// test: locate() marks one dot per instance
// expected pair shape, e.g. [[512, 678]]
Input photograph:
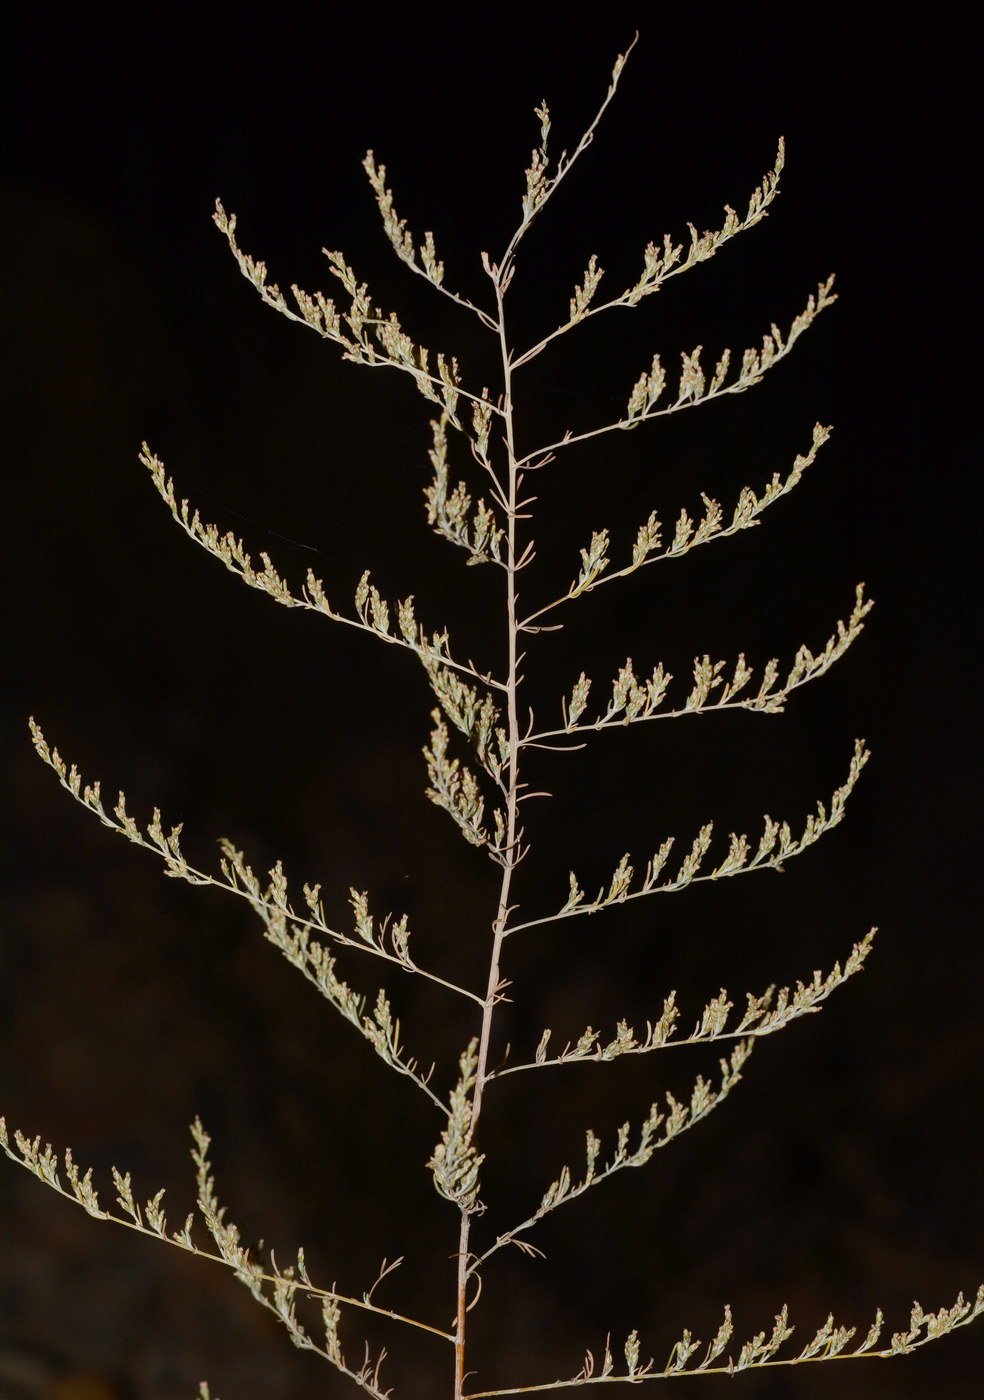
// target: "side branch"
[[318, 966], [455, 1162], [390, 942], [634, 700], [150, 1220], [449, 512], [539, 185], [595, 560], [776, 846], [366, 335], [665, 260], [678, 1119], [828, 1344], [373, 611], [694, 387], [764, 1014], [423, 261], [454, 787], [476, 716]]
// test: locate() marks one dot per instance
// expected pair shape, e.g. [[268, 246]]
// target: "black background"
[[845, 1170]]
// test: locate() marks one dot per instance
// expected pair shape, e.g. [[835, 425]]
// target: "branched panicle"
[[453, 786], [476, 715], [455, 1162], [487, 714], [450, 513]]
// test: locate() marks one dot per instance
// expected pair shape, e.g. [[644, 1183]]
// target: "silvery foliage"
[[482, 796]]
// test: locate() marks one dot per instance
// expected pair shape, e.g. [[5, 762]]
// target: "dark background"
[[845, 1171]]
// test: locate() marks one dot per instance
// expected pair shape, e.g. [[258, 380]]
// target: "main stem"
[[513, 852]]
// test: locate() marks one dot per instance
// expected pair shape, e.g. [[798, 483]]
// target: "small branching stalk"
[[481, 727]]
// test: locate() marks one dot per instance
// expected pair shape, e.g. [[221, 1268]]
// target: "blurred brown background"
[[845, 1171]]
